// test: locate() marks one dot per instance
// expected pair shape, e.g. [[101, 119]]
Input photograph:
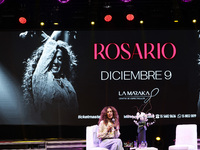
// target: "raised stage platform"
[[51, 144]]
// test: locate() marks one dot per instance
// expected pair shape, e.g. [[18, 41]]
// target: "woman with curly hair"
[[47, 81], [108, 131]]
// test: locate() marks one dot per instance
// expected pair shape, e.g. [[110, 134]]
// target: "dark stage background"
[[171, 88]]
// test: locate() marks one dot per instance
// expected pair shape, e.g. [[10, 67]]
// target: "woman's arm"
[[56, 34], [102, 130], [48, 53], [60, 35], [117, 132]]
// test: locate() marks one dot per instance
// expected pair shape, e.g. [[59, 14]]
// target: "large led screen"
[[68, 77]]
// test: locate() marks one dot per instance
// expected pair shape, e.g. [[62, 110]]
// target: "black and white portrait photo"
[[47, 81]]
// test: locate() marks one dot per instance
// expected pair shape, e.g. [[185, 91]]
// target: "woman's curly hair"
[[104, 117], [69, 62]]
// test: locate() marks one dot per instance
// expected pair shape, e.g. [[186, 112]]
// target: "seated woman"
[[108, 131]]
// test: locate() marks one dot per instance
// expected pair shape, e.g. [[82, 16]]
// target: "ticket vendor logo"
[[138, 95]]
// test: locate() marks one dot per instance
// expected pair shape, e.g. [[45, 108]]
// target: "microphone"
[[113, 120]]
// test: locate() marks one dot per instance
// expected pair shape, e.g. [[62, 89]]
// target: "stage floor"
[[47, 144]]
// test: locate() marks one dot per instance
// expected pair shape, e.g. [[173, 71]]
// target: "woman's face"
[[109, 113], [57, 62]]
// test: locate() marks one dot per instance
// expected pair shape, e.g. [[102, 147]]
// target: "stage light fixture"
[[158, 138], [63, 1], [22, 20], [141, 21], [176, 21], [92, 23], [1, 1], [108, 18], [126, 1], [186, 1], [56, 23], [130, 17], [194, 21], [42, 23]]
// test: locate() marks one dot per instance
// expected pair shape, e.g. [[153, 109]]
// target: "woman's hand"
[[110, 127]]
